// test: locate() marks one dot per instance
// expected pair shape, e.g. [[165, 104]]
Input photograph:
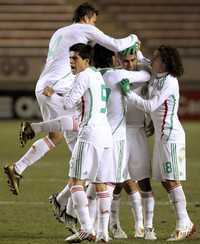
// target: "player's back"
[[57, 67]]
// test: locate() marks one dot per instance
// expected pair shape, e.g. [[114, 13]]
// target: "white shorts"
[[169, 161], [120, 162], [139, 164], [91, 163], [53, 107]]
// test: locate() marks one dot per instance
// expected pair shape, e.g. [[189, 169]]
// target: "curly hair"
[[171, 58]]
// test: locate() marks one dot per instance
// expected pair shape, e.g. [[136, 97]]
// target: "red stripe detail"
[[49, 143], [75, 189], [82, 108], [164, 118], [103, 195]]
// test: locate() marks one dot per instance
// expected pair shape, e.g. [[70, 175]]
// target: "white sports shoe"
[[149, 234], [80, 236], [139, 232], [179, 235], [103, 237], [117, 232]]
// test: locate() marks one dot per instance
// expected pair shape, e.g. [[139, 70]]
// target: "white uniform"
[[92, 155], [169, 149], [139, 166], [57, 71], [116, 115]]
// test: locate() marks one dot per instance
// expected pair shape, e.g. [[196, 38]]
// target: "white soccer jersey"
[[57, 68], [90, 89], [116, 103], [163, 107]]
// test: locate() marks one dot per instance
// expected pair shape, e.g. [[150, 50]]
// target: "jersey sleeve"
[[153, 103], [80, 86], [116, 45], [137, 76]]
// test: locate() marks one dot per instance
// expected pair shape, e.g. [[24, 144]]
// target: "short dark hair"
[[85, 51], [102, 57], [83, 10], [172, 60]]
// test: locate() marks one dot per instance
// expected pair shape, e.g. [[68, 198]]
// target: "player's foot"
[[179, 235], [149, 234], [13, 178], [103, 237], [80, 236], [70, 223], [58, 212], [117, 232], [26, 133], [139, 232]]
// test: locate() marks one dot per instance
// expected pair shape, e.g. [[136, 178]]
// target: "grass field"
[[27, 218]]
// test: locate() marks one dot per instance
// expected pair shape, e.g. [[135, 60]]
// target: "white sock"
[[70, 208], [114, 215], [103, 199], [80, 203], [148, 204], [60, 124], [136, 203], [178, 200], [92, 203], [63, 196], [37, 151]]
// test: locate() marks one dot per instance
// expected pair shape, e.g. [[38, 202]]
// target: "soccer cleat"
[[58, 213], [80, 236], [149, 234], [13, 178], [139, 232], [103, 237], [26, 133], [117, 232], [70, 223], [179, 235]]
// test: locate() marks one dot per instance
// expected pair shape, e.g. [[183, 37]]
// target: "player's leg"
[[172, 166], [83, 160], [50, 108], [132, 189], [115, 226], [139, 169], [119, 158], [148, 204], [60, 124]]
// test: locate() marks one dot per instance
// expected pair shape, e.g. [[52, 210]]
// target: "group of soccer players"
[[106, 100]]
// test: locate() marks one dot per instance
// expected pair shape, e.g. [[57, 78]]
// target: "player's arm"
[[80, 86], [116, 45], [149, 105], [140, 76]]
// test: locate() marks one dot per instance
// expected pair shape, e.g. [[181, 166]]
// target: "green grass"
[[27, 218]]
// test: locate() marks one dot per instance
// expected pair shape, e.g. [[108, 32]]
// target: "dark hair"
[[171, 58], [84, 50], [102, 56], [83, 10]]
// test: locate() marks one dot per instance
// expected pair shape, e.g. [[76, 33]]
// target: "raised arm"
[[116, 45]]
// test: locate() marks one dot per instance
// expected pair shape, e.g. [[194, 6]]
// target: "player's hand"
[[149, 128], [125, 86], [48, 91]]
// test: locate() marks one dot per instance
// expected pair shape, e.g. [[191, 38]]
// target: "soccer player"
[[105, 59], [169, 165], [58, 75], [138, 163]]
